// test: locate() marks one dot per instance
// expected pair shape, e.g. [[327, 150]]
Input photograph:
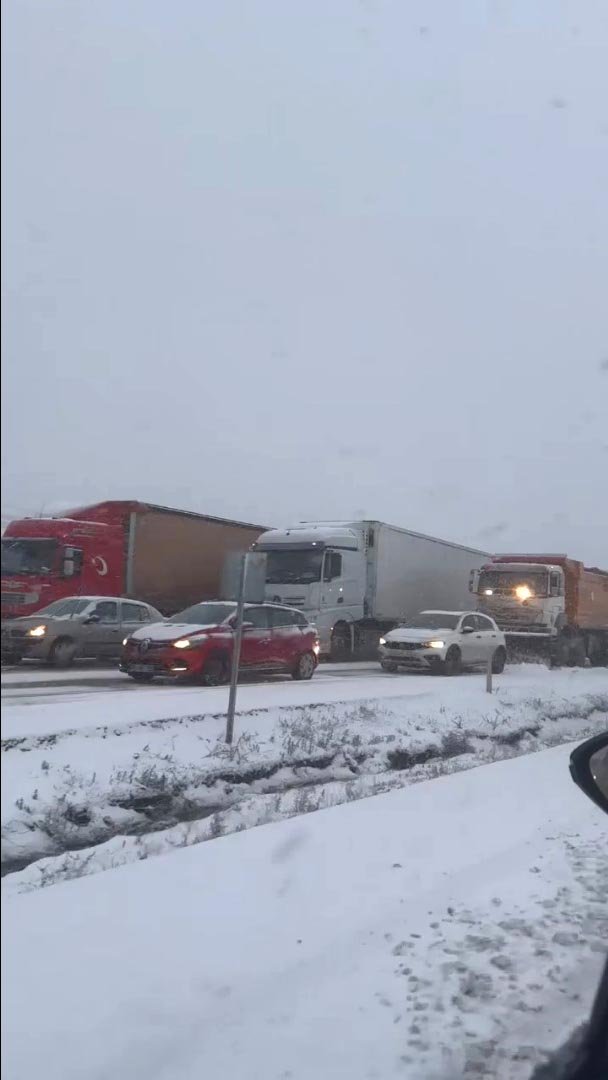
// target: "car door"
[[102, 634], [469, 640], [133, 617], [487, 636], [257, 639], [286, 637]]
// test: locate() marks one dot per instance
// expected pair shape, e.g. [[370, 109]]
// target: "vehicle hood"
[[171, 631], [402, 634], [27, 621]]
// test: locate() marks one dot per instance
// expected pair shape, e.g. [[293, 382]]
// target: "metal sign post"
[[250, 589], [236, 652], [489, 677]]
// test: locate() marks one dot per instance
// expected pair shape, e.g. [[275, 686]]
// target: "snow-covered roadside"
[[176, 781], [450, 929]]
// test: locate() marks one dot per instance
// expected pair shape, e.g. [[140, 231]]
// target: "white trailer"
[[357, 579]]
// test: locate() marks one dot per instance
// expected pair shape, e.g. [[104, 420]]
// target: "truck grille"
[[14, 598], [12, 633]]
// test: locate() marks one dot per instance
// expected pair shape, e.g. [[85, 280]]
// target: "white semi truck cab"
[[322, 570], [358, 579]]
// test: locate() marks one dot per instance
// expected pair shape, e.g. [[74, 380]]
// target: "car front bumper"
[[166, 663], [15, 642], [422, 659]]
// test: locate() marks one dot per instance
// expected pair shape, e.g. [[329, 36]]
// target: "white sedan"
[[444, 642]]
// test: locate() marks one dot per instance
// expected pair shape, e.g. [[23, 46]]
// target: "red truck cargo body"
[[169, 558]]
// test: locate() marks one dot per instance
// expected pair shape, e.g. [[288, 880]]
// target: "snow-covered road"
[[70, 708], [449, 928]]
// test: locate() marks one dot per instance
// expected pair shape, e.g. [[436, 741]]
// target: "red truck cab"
[[46, 559]]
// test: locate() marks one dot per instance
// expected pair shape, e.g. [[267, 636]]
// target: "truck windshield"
[[27, 556], [204, 614], [73, 606], [293, 567], [505, 582]]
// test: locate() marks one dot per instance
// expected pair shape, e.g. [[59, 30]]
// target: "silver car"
[[78, 626]]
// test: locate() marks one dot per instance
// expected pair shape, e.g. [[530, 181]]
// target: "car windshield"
[[507, 582], [433, 620], [293, 567], [73, 606], [204, 614], [27, 556]]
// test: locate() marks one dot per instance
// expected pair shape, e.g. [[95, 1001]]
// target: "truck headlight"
[[435, 644], [523, 592], [37, 631]]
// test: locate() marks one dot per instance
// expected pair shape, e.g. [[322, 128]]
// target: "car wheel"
[[452, 665], [305, 667], [140, 676], [387, 665], [215, 670], [499, 660], [62, 653]]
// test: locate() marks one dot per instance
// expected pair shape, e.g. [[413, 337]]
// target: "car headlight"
[[124, 640], [435, 644], [382, 641], [316, 647], [189, 643], [37, 631]]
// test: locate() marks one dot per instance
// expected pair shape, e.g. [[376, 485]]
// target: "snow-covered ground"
[[138, 784], [452, 928]]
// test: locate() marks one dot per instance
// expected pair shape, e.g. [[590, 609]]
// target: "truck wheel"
[[341, 644], [452, 665], [387, 665], [305, 667], [62, 653], [215, 671], [498, 661]]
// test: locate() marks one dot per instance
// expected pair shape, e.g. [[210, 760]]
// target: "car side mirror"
[[467, 630], [589, 769], [91, 619]]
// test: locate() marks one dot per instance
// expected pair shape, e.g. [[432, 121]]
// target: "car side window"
[[469, 623], [279, 617], [106, 611], [300, 620], [259, 616], [134, 613], [483, 623]]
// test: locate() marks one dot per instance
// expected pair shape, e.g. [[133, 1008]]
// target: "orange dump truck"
[[547, 604]]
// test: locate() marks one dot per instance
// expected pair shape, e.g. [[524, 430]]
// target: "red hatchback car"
[[197, 644]]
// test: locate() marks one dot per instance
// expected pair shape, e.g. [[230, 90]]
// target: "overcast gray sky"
[[280, 260]]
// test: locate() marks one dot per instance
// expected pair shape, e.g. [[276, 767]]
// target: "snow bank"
[[450, 929]]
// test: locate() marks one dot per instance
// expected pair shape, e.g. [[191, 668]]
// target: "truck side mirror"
[[473, 580], [91, 619], [72, 562]]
